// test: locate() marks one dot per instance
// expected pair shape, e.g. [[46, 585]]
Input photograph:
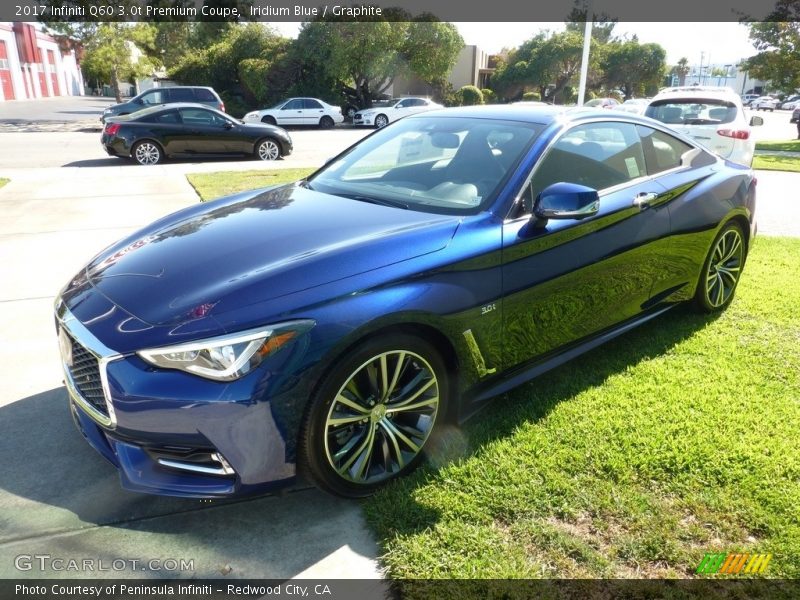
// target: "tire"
[[381, 121], [721, 270], [356, 437], [268, 149], [147, 152], [325, 122], [269, 120], [350, 112]]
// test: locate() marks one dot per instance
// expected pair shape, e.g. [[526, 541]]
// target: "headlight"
[[227, 357]]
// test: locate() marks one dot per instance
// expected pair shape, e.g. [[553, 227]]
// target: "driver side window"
[[597, 155]]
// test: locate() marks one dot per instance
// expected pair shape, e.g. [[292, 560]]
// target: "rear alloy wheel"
[[268, 149], [146, 153], [721, 271], [381, 121], [370, 420], [326, 122]]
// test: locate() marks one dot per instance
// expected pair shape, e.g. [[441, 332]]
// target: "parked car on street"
[[795, 115], [636, 106], [748, 98], [165, 95], [336, 322], [711, 116], [790, 103], [764, 103], [383, 113], [602, 103], [298, 111], [189, 130]]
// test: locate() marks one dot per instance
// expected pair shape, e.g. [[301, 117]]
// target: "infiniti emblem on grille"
[[65, 345]]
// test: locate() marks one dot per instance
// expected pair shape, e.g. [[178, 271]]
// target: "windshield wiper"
[[380, 201]]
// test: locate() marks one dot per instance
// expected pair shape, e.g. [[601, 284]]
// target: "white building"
[[34, 64]]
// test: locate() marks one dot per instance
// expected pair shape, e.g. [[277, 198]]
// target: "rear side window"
[[204, 95], [310, 103], [181, 95], [167, 117], [692, 111], [661, 151]]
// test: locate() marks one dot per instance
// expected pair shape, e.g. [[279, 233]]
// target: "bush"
[[488, 95], [470, 95], [531, 96]]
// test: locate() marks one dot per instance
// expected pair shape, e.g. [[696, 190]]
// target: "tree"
[[470, 95], [110, 50], [547, 62], [681, 70], [236, 64], [431, 49], [363, 58], [633, 68], [778, 45]]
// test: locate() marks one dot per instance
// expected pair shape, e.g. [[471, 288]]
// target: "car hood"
[[254, 247]]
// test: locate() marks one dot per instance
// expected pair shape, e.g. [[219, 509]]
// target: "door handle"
[[644, 199]]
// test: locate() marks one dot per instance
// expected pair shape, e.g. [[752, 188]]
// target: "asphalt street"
[[66, 201]]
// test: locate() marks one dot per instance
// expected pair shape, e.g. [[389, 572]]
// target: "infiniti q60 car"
[[329, 326]]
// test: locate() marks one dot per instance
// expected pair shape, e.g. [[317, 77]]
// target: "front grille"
[[85, 372]]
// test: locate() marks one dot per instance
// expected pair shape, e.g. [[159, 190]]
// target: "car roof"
[[696, 91], [543, 115]]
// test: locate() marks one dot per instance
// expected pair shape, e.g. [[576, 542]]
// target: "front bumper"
[[171, 433], [364, 120]]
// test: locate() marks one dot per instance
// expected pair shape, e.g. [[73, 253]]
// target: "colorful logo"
[[733, 564]]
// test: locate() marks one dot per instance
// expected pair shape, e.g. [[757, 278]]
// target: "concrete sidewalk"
[[57, 496]]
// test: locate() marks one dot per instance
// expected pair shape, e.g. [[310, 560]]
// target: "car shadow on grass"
[[59, 496], [526, 404]]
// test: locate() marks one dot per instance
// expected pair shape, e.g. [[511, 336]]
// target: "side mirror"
[[756, 121], [566, 201], [228, 125]]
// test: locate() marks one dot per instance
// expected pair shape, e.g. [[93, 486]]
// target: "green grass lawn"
[[676, 439], [784, 145], [777, 163], [3, 181], [221, 183]]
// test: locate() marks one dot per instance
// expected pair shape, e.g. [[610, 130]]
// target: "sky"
[[719, 43]]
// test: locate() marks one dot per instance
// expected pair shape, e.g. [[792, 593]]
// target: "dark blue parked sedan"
[[334, 323]]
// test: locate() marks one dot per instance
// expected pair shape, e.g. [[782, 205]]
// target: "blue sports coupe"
[[331, 325]]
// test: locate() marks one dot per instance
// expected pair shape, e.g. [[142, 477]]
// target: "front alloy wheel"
[[381, 121], [146, 153], [372, 417], [722, 269], [268, 150]]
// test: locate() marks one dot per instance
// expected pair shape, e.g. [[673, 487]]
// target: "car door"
[[205, 132], [168, 129], [567, 279], [290, 113], [313, 111], [679, 167]]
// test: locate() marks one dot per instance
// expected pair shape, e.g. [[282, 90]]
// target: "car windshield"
[[692, 111], [436, 164]]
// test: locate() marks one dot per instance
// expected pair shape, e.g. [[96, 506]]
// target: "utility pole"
[[587, 41]]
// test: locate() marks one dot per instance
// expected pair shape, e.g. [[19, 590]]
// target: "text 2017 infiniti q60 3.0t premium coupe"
[[332, 324]]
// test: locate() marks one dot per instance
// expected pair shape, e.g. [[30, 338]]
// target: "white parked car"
[[713, 116], [298, 111], [383, 113], [790, 103], [636, 106], [764, 103], [748, 98]]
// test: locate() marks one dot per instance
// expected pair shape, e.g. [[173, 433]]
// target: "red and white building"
[[34, 64]]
